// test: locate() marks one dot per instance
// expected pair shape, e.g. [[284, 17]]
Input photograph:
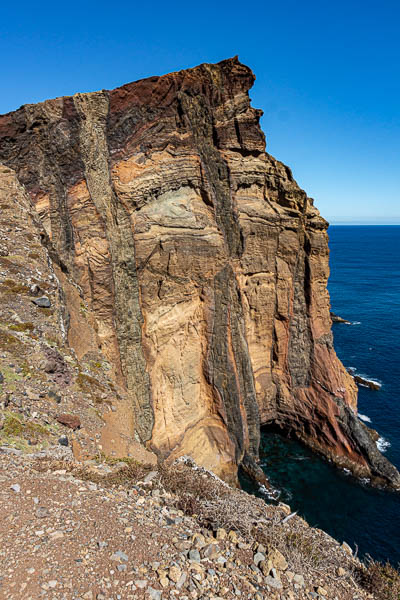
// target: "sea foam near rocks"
[[272, 493], [364, 418], [382, 444]]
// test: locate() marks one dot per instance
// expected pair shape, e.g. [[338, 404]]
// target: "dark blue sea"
[[365, 289]]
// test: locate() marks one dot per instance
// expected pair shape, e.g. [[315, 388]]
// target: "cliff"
[[201, 264]]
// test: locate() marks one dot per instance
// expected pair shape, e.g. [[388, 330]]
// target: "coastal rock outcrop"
[[337, 319], [370, 383], [202, 263]]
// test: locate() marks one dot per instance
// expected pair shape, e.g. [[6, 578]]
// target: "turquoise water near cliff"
[[365, 289]]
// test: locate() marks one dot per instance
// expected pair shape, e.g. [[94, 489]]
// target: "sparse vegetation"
[[12, 426], [380, 579], [45, 311], [88, 384], [20, 434], [10, 342], [12, 268], [10, 375], [129, 471], [22, 327], [99, 401], [216, 505], [14, 287], [96, 365]]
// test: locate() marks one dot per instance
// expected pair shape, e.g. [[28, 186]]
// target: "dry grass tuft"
[[9, 342], [125, 472], [129, 473], [21, 327], [15, 287], [381, 580], [88, 384]]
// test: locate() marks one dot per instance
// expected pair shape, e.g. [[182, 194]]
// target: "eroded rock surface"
[[202, 263]]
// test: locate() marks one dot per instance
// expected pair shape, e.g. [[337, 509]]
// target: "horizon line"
[[362, 223]]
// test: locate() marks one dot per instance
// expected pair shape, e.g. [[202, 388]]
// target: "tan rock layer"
[[204, 265]]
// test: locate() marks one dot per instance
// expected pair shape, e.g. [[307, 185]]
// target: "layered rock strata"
[[203, 264]]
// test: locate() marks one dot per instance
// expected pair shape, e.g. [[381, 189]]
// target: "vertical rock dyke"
[[203, 264]]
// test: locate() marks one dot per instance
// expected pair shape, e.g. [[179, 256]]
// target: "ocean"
[[365, 289]]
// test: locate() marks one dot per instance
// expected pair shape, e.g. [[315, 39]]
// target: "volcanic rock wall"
[[203, 263]]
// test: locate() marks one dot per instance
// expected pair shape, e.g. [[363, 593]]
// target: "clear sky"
[[328, 76]]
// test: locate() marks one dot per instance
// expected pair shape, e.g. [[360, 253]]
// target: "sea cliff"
[[189, 260]]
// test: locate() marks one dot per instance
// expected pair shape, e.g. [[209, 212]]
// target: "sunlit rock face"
[[203, 263]]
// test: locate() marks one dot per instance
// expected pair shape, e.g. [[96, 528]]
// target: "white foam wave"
[[356, 323], [364, 418], [365, 480], [382, 444], [272, 493], [376, 381], [353, 371]]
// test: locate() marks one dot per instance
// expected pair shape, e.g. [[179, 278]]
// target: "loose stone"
[[42, 302], [258, 557], [194, 555]]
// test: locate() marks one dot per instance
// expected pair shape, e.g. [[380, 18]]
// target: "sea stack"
[[202, 264]]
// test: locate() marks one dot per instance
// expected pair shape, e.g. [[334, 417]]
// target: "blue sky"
[[328, 77]]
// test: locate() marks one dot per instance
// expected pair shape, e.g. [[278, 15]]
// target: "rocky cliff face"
[[203, 264]]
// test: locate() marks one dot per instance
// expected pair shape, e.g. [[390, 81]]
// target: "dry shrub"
[[129, 473], [215, 504], [125, 472], [308, 550], [381, 580]]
